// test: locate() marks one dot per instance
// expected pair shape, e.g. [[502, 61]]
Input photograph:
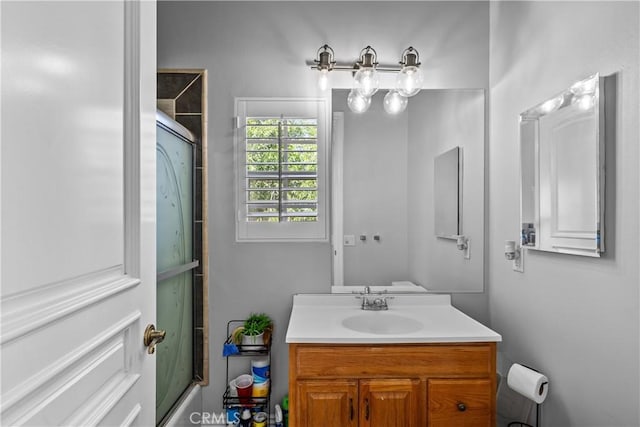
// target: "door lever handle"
[[152, 337]]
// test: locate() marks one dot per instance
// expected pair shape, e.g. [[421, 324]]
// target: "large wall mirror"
[[383, 191], [562, 150]]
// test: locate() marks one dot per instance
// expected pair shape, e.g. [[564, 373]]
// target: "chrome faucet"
[[375, 303]]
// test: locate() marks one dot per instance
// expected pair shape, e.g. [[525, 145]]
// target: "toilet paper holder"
[[543, 387]]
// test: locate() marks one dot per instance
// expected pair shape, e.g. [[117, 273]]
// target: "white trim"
[[39, 379], [283, 231], [131, 138], [45, 396], [101, 404], [25, 312], [132, 416]]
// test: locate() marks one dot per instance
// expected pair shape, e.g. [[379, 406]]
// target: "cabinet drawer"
[[460, 403], [366, 361]]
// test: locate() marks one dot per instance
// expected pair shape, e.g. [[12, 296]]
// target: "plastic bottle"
[[245, 418], [279, 418], [285, 410]]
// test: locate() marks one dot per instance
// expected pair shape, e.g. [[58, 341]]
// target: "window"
[[281, 169]]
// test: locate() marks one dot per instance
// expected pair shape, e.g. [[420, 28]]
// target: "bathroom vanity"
[[420, 363]]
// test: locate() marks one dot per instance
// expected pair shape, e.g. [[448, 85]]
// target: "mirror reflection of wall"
[[388, 191], [447, 193]]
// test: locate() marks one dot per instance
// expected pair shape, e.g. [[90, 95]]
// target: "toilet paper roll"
[[529, 383]]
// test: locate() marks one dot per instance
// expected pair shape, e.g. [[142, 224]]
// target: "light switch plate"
[[349, 240]]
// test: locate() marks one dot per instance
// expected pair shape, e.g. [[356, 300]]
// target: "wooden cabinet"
[[352, 403], [408, 385], [389, 402]]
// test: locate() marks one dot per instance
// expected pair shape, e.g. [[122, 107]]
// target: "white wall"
[[260, 49], [574, 318]]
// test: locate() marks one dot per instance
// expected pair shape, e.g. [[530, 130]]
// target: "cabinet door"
[[460, 403], [389, 403], [325, 403]]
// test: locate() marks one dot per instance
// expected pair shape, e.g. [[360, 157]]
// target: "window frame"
[[287, 231]]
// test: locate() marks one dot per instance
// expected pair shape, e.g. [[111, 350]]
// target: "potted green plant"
[[254, 328]]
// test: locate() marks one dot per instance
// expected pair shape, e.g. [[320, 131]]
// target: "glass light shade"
[[409, 81], [323, 80], [358, 103], [366, 81], [584, 102], [395, 103], [552, 104], [585, 87]]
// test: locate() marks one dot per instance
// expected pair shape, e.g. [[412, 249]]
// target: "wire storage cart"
[[259, 401]]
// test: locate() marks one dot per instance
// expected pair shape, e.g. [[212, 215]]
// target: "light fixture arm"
[[325, 59], [410, 57], [368, 58]]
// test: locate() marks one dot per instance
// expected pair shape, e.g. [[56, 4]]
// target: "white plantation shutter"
[[281, 169]]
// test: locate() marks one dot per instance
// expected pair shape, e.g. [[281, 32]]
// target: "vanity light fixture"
[[410, 78], [324, 64], [366, 80]]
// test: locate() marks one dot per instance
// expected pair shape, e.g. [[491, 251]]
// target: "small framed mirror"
[[562, 150], [446, 192]]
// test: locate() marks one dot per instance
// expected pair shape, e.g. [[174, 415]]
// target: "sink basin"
[[382, 323]]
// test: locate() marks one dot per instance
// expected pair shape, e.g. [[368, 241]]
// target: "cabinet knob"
[[462, 407]]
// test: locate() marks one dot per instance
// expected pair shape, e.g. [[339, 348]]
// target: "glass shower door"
[[175, 265]]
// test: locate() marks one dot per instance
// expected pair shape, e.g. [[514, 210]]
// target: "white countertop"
[[318, 318]]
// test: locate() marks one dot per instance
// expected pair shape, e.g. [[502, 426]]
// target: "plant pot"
[[253, 342]]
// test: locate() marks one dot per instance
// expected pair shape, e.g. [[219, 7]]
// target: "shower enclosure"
[[175, 264]]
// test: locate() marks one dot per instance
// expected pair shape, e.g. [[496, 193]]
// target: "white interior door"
[[78, 212]]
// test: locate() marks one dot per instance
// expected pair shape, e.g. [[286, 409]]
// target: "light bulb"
[[583, 102], [358, 103], [323, 80], [366, 81], [409, 81], [551, 105], [394, 103], [585, 87]]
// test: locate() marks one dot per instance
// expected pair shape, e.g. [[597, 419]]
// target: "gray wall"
[[437, 123], [574, 318], [260, 49], [374, 192]]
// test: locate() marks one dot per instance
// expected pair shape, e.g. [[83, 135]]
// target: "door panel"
[[69, 160], [78, 231], [328, 403], [389, 403]]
